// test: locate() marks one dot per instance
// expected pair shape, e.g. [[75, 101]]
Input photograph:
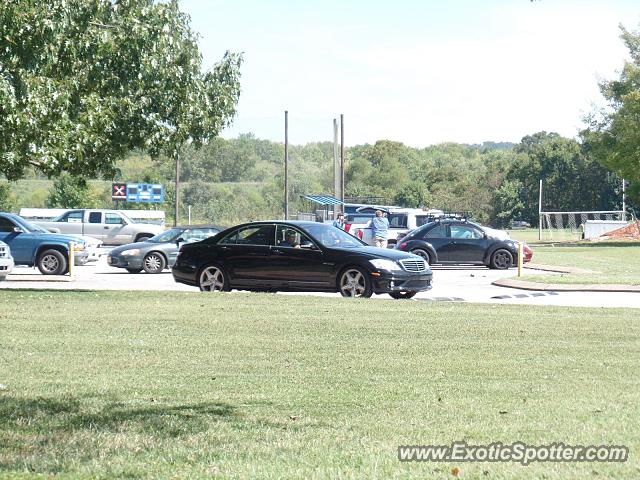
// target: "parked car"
[[451, 241], [299, 256], [159, 252], [33, 246], [111, 227], [519, 224], [6, 261]]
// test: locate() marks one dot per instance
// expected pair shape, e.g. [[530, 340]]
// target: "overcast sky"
[[416, 71]]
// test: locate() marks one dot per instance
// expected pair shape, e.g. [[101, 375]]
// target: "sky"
[[420, 72]]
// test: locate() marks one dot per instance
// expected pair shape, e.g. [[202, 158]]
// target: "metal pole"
[[540, 212], [177, 203], [189, 211], [342, 161], [624, 202], [336, 169], [286, 165], [520, 257]]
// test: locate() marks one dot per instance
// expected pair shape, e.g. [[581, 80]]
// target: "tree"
[[413, 195], [613, 135], [71, 192], [83, 82], [7, 198]]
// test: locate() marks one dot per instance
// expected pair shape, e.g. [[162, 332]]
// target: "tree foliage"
[[613, 135], [83, 82], [72, 192]]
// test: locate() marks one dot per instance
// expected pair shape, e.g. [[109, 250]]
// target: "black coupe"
[[299, 256], [458, 242]]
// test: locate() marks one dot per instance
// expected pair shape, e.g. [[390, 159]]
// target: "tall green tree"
[[83, 82], [72, 192], [613, 135]]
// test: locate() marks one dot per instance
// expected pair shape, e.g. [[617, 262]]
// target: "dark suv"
[[455, 241]]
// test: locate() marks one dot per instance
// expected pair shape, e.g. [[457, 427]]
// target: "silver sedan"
[[159, 252]]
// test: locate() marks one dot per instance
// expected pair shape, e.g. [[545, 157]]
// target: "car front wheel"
[[153, 263], [213, 279], [501, 259], [52, 262], [355, 283]]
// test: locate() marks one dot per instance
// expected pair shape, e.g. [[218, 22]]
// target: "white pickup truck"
[[401, 221], [112, 227]]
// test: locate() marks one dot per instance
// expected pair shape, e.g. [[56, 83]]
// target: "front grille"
[[3, 252], [414, 266]]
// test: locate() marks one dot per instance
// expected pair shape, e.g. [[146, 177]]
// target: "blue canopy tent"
[[327, 202]]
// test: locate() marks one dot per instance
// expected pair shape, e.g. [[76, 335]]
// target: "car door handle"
[[106, 228], [277, 251]]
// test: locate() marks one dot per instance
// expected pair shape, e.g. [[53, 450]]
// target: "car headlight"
[[78, 247], [131, 252], [384, 264]]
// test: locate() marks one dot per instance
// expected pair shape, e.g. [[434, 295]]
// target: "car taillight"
[[360, 235], [347, 227], [402, 245]]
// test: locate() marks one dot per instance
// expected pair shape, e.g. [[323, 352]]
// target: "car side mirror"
[[179, 241], [485, 235], [308, 246], [17, 230]]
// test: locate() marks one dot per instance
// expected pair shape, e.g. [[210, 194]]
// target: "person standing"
[[380, 229], [339, 222]]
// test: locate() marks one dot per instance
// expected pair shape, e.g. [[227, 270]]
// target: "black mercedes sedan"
[[299, 256]]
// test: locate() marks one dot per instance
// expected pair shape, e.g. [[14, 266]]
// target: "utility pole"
[[177, 203], [336, 166], [624, 201], [342, 161], [286, 165], [540, 212]]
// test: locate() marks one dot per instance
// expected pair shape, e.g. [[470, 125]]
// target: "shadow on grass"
[[72, 414]]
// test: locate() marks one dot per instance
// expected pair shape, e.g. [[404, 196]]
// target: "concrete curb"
[[558, 287]]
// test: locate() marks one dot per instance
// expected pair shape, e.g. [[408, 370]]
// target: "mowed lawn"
[[173, 385], [616, 263]]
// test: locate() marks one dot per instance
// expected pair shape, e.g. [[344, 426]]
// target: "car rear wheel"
[[422, 253], [355, 283], [134, 270], [52, 262], [501, 259], [402, 295], [213, 279], [153, 262]]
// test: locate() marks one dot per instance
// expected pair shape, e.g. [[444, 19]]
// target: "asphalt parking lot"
[[451, 284]]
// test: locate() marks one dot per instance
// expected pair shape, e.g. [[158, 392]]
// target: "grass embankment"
[[145, 385], [610, 263]]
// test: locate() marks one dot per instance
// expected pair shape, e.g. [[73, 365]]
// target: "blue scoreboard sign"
[[145, 192]]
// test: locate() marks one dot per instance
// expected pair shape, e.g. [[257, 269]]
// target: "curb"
[[556, 287]]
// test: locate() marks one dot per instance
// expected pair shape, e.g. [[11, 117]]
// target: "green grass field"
[[171, 385], [612, 263]]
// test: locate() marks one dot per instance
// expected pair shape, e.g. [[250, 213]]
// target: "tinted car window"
[[439, 231], [423, 220], [397, 220], [254, 235], [96, 217], [6, 225]]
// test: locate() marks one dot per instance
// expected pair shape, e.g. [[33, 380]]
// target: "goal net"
[[568, 226]]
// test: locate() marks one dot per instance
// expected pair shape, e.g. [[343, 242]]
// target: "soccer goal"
[[567, 226]]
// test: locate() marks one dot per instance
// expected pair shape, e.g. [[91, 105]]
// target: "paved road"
[[468, 284]]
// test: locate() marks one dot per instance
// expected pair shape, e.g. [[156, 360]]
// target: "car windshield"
[[33, 228], [330, 236], [168, 236]]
